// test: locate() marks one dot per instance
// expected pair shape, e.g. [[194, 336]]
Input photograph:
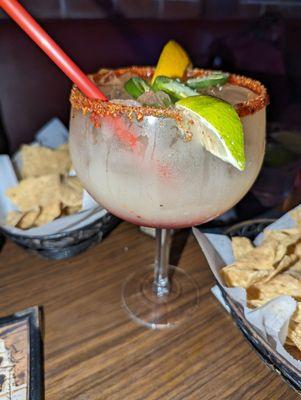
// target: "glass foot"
[[159, 312]]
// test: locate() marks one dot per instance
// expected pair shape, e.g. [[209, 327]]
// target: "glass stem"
[[161, 285]]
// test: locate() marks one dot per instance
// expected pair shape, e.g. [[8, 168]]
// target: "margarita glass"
[[135, 161]]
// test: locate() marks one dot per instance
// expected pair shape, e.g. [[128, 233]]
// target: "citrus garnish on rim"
[[217, 125], [173, 61]]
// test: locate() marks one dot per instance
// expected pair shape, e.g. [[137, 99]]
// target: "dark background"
[[256, 38]]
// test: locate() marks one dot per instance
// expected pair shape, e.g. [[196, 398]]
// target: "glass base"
[[155, 312]]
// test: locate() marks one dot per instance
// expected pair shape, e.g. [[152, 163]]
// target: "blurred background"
[[258, 38]]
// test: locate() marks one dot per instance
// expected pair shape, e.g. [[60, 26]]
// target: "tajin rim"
[[106, 108]]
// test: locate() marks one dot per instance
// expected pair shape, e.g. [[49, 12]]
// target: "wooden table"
[[94, 351]]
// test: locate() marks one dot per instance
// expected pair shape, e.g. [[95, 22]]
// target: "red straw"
[[18, 13]]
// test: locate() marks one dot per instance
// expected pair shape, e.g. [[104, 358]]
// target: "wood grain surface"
[[94, 351]]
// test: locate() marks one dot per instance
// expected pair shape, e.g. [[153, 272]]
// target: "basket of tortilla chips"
[[44, 207], [260, 284]]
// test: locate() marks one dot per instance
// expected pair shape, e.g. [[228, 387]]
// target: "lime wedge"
[[217, 125], [176, 89], [172, 62], [203, 82], [136, 87]]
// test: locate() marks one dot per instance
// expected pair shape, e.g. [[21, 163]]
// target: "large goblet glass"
[[134, 161]]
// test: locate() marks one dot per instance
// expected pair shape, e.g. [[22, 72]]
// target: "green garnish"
[[174, 88], [202, 82], [136, 87]]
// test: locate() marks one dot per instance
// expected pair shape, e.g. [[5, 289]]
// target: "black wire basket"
[[64, 245], [288, 372]]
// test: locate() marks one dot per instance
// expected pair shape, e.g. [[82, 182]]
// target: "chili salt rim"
[[105, 108]]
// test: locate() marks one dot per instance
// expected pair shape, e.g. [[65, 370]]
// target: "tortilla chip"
[[269, 256], [297, 249], [296, 216], [72, 210], [282, 234], [277, 247], [294, 333], [63, 147], [289, 343], [297, 314], [71, 192], [241, 246], [254, 264], [282, 284], [75, 183], [295, 269], [28, 220], [284, 237], [284, 264], [48, 213], [37, 161], [13, 217], [254, 303], [239, 276], [62, 156], [33, 192], [262, 257]]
